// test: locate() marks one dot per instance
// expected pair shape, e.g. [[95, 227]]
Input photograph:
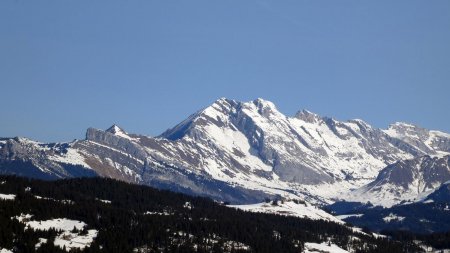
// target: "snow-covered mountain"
[[406, 180], [237, 151]]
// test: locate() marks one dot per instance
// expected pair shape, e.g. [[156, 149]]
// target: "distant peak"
[[305, 112], [223, 100], [401, 125], [115, 129], [360, 122], [263, 103], [24, 140], [307, 116], [263, 106]]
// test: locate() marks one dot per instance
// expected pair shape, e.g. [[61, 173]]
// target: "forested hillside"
[[113, 216]]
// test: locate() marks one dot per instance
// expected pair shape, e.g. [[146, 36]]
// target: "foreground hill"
[[104, 215]]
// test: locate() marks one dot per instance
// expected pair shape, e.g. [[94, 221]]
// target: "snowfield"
[[345, 216], [322, 248], [7, 196], [290, 208], [392, 217], [74, 240], [66, 238]]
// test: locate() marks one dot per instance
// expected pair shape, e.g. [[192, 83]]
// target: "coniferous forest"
[[133, 218]]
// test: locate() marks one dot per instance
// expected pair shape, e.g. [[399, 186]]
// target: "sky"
[[147, 65]]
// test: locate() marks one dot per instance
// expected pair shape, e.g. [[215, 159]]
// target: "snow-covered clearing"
[[67, 237], [392, 217], [290, 208], [324, 247], [7, 196]]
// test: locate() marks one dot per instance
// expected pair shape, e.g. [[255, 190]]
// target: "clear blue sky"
[[147, 65]]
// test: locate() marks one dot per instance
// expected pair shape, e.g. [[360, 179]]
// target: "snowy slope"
[[290, 208], [323, 248], [406, 180], [428, 142]]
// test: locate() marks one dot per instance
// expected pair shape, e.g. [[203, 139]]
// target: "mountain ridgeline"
[[243, 152]]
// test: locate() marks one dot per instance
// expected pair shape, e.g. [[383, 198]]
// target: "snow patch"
[[7, 196], [392, 217], [39, 244], [58, 224], [165, 213], [71, 240], [66, 238], [290, 208], [188, 205], [345, 216], [64, 201], [323, 247], [104, 201], [73, 156]]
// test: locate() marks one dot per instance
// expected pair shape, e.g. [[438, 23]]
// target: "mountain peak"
[[263, 107], [223, 100], [307, 116], [360, 122], [262, 103], [115, 129], [402, 125]]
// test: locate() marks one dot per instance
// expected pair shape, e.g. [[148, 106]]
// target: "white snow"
[[388, 194], [63, 201], [58, 224], [5, 251], [119, 151], [392, 217], [124, 135], [233, 245], [165, 213], [66, 238], [74, 240], [23, 217], [73, 156], [232, 140], [323, 247], [290, 208], [7, 196], [104, 201], [117, 131], [188, 205], [345, 216], [41, 241]]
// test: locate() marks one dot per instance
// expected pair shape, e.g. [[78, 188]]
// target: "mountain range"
[[244, 152]]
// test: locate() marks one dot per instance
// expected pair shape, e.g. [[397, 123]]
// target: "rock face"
[[240, 152]]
